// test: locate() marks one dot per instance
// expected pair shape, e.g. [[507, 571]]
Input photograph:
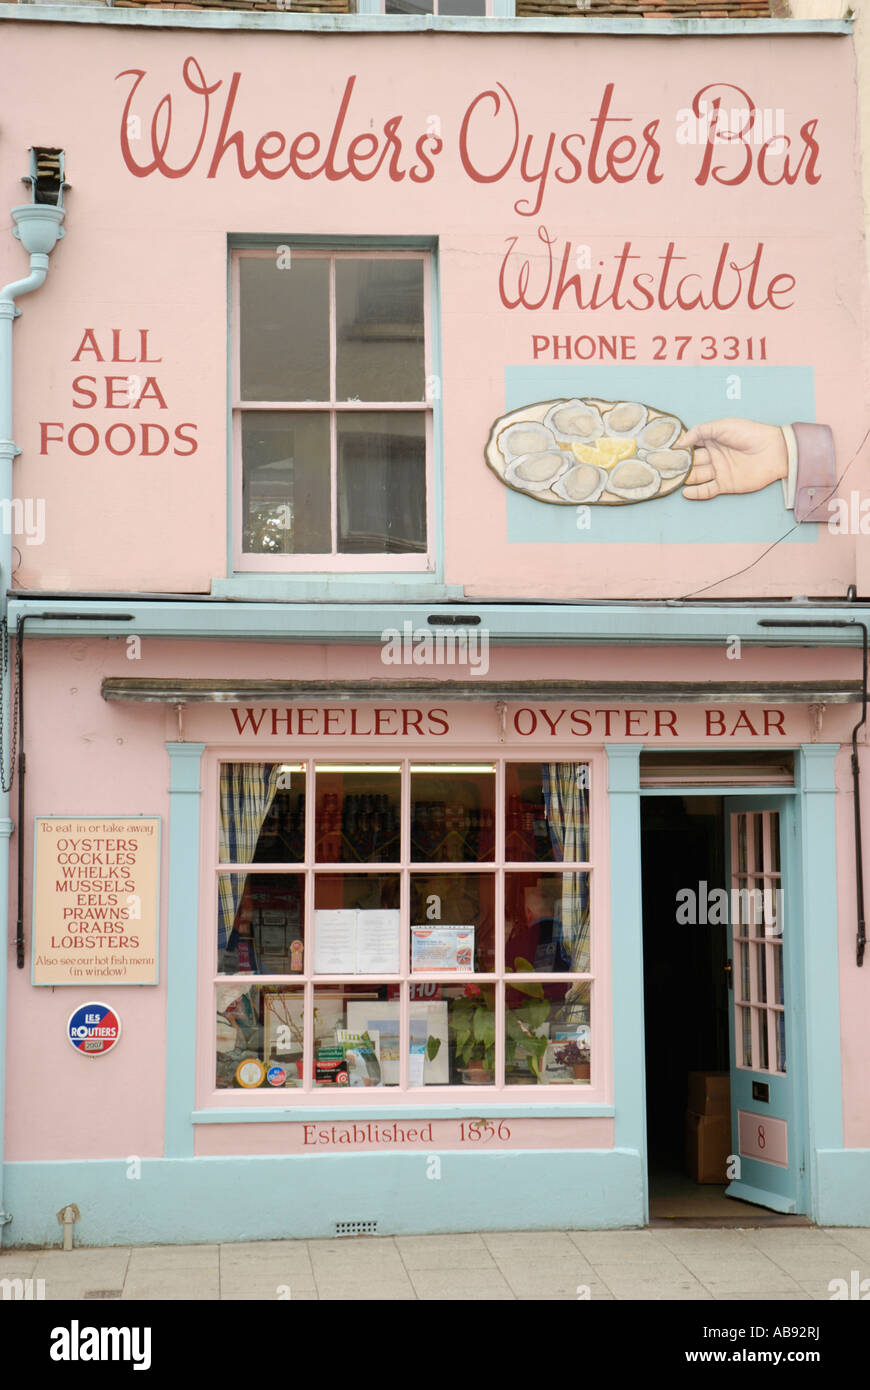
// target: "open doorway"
[[686, 995]]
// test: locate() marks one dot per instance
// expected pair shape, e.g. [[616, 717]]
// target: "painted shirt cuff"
[[816, 474], [789, 482]]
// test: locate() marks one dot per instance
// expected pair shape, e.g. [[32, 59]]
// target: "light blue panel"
[[666, 623], [626, 928], [747, 1193], [842, 1196], [771, 394], [181, 1201], [818, 887], [184, 810]]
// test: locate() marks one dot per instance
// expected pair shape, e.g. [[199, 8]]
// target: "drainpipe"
[[37, 227]]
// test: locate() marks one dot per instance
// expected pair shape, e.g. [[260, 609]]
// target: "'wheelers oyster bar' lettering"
[[399, 722]]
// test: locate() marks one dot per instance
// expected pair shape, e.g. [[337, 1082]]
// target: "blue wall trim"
[[626, 946], [818, 887], [843, 1187], [185, 1201], [184, 814], [510, 623]]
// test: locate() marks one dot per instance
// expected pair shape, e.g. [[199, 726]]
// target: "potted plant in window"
[[576, 1057], [472, 1019]]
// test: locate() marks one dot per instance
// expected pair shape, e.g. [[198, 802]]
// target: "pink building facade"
[[435, 594]]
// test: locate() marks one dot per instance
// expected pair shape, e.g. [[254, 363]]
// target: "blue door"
[[767, 1164]]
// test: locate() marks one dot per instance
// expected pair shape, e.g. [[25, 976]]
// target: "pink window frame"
[[599, 1089], [247, 561]]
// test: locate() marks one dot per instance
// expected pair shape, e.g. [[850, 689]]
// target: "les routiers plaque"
[[96, 894]]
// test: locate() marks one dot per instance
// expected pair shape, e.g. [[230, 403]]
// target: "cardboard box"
[[709, 1092], [708, 1144]]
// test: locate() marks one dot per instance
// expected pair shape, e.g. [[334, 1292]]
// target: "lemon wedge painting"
[[586, 450]]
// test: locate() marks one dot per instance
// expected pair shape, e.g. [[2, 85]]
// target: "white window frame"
[[333, 563], [487, 14]]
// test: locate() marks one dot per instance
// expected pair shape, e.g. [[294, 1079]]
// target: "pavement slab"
[[787, 1264]]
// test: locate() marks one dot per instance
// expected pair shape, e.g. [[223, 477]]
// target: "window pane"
[[356, 1037], [547, 812], [381, 482], [758, 841], [774, 842], [780, 1042], [761, 963], [741, 844], [472, 1034], [282, 834], [547, 1034], [260, 924], [284, 331], [357, 816], [283, 1019], [771, 906], [746, 1036], [452, 900], [462, 6], [241, 1060], [247, 791], [547, 922], [761, 1024], [357, 924], [408, 7], [285, 482], [745, 985], [452, 815], [379, 330]]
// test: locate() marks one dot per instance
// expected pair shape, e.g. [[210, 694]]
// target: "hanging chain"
[[6, 782]]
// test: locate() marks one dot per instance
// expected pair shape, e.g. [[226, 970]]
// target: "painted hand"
[[733, 456]]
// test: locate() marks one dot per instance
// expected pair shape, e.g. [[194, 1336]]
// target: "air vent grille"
[[356, 1228]]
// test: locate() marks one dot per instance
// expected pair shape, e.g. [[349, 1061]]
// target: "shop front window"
[[403, 925]]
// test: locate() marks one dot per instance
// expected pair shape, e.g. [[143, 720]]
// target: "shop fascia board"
[[189, 690], [505, 624], [493, 25]]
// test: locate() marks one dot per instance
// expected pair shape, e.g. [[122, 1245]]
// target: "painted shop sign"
[[363, 1135], [516, 724], [96, 900], [642, 353]]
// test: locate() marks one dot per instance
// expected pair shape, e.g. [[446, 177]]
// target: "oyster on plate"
[[584, 450]]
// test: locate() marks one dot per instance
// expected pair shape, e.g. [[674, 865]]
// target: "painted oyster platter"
[[584, 450]]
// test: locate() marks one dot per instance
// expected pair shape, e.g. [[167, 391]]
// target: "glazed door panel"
[[767, 1156]]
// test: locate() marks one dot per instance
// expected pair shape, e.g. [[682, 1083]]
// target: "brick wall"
[[654, 9]]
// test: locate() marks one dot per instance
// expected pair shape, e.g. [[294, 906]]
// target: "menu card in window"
[[335, 941], [356, 941], [448, 950], [377, 941]]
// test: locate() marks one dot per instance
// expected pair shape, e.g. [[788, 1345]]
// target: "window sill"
[[342, 587], [437, 1111]]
